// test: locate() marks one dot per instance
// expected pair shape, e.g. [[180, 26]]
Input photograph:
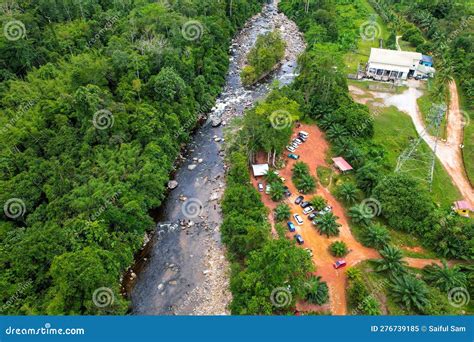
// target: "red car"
[[339, 264]]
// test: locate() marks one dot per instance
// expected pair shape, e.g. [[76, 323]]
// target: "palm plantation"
[[391, 261], [410, 292], [327, 225], [444, 277]]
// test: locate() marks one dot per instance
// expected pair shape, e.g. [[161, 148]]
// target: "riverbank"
[[185, 271]]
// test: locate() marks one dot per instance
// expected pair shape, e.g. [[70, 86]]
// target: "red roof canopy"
[[342, 164]]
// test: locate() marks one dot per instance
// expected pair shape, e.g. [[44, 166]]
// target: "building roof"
[[463, 205], [427, 59], [260, 169], [394, 57], [341, 164]]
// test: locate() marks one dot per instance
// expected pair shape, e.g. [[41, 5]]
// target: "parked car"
[[290, 148], [303, 134], [294, 145], [268, 188], [303, 139], [260, 187], [311, 216], [297, 141], [293, 156], [299, 199], [307, 210], [305, 204], [299, 239], [327, 209], [287, 193], [291, 226], [298, 219], [339, 264]]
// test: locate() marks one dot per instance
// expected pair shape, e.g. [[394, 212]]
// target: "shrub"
[[338, 249]]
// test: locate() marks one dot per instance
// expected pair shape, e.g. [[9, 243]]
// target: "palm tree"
[[317, 291], [347, 192], [300, 169], [444, 277], [306, 184], [336, 132], [277, 191], [338, 248], [327, 225], [271, 177], [376, 236], [391, 260], [282, 212], [410, 292], [318, 203], [359, 216]]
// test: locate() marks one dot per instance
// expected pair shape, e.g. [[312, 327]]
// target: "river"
[[183, 269]]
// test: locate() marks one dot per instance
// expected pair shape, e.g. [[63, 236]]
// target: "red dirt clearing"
[[313, 153]]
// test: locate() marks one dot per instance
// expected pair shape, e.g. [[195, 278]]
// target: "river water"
[[183, 269]]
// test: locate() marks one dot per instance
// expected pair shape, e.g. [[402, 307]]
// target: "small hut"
[[341, 164]]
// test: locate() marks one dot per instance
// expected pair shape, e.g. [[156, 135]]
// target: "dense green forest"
[[97, 97], [269, 49]]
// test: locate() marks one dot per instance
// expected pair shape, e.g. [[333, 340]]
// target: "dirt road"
[[313, 152]]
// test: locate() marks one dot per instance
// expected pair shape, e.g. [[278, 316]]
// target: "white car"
[[268, 188], [298, 219], [294, 145], [304, 134], [307, 210], [290, 148]]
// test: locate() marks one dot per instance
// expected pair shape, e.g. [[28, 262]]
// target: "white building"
[[388, 65]]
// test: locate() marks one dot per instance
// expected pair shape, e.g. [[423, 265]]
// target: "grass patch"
[[394, 130], [324, 175]]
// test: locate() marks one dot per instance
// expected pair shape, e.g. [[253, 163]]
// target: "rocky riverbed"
[[183, 269]]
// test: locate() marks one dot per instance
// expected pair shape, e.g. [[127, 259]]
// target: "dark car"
[[291, 226], [305, 204], [312, 216], [299, 199], [299, 239], [287, 193]]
